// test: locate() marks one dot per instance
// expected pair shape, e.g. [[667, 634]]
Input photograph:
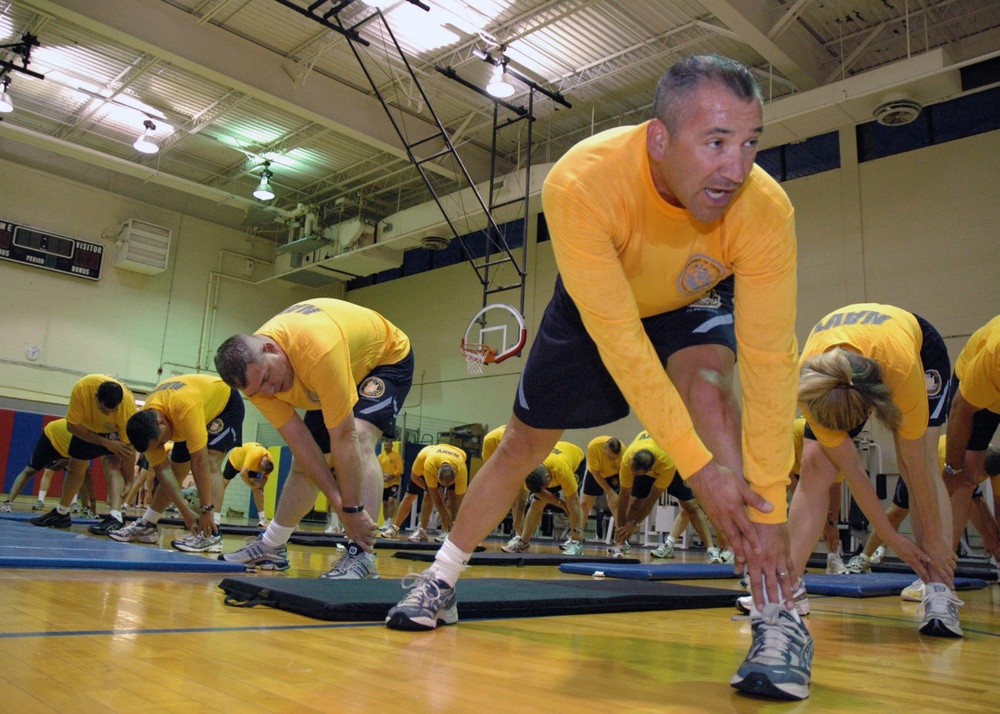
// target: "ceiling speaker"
[[897, 112], [434, 242]]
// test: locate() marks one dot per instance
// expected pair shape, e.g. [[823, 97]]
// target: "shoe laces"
[[937, 603], [423, 589], [351, 563], [774, 635]]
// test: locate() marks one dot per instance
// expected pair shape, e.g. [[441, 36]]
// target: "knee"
[[710, 393]]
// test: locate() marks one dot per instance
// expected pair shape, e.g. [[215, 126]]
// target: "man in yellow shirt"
[[437, 468], [203, 418], [252, 462], [51, 452], [392, 472], [99, 408], [604, 459], [556, 482], [673, 249], [350, 369]]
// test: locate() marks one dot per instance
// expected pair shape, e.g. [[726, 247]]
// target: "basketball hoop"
[[476, 356]]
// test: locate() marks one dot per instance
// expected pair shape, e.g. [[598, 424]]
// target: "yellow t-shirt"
[[59, 436], [190, 402], [892, 337], [598, 462], [392, 464], [249, 455], [436, 456], [332, 346], [83, 409], [624, 253], [664, 470], [492, 440], [562, 462], [798, 439], [978, 367]]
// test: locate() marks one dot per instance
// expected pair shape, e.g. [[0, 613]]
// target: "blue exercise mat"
[[24, 517], [872, 584], [23, 545], [643, 571]]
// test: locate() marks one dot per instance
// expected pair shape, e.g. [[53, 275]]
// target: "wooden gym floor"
[[114, 641]]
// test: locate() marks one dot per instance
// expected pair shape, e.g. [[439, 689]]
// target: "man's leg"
[[808, 511]]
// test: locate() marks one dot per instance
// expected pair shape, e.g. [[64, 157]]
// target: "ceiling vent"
[[434, 242], [897, 112]]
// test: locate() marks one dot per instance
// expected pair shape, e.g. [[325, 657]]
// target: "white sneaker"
[[199, 543], [878, 555], [389, 530], [355, 564], [575, 548], [138, 531], [745, 603], [566, 543], [262, 522], [860, 563], [714, 555], [515, 545], [419, 536], [441, 537], [835, 564], [664, 550], [728, 557], [617, 551], [940, 608], [914, 592], [5, 507], [512, 542], [39, 505]]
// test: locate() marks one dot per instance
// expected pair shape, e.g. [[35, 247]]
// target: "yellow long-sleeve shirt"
[[624, 253]]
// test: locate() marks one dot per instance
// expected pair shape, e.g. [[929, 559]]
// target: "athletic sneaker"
[[430, 602], [801, 597], [663, 550], [389, 530], [714, 555], [627, 547], [262, 522], [575, 548], [878, 555], [566, 543], [515, 545], [779, 664], [835, 564], [355, 564], [940, 608], [914, 592], [52, 519], [617, 551], [138, 531], [860, 563], [5, 507], [108, 523], [441, 537], [38, 505], [199, 543], [257, 554], [419, 535], [728, 557]]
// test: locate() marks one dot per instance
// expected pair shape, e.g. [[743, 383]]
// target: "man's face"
[[387, 446], [104, 409], [702, 165], [270, 374]]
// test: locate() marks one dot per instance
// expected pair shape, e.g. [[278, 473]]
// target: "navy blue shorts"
[[225, 432], [901, 496], [44, 454], [592, 488], [984, 424], [380, 395], [390, 492], [85, 451], [565, 384], [678, 488]]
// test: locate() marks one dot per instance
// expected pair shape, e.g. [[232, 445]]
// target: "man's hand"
[[724, 497], [120, 449], [773, 568], [206, 524], [360, 528], [911, 554]]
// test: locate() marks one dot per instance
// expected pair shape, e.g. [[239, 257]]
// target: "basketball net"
[[475, 358]]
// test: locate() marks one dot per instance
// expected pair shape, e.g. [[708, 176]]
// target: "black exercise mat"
[[326, 540], [478, 598], [984, 570], [225, 528], [522, 559]]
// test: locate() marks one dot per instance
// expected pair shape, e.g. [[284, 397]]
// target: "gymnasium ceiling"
[[232, 83]]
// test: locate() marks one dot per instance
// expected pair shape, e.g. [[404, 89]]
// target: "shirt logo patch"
[[932, 378], [372, 387], [700, 273], [215, 426]]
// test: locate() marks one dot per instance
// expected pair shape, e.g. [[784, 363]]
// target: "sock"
[[217, 517], [151, 517], [41, 495], [277, 535], [62, 510], [75, 499], [671, 540], [450, 562], [117, 515]]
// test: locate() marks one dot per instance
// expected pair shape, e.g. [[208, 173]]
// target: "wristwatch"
[[951, 470], [207, 509], [353, 509]]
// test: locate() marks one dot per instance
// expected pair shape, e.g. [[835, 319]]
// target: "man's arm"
[[200, 470], [345, 447], [959, 432], [165, 477]]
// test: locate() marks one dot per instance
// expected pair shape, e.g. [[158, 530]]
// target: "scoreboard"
[[30, 246]]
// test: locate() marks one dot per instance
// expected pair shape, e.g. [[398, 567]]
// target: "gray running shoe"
[[389, 530], [430, 602], [355, 564], [39, 505], [835, 564], [199, 543], [257, 554], [860, 563], [419, 535], [575, 548], [138, 531], [801, 597], [663, 550], [515, 545], [940, 609], [5, 507], [779, 664]]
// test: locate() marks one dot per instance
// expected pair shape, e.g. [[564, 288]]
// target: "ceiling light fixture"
[[145, 144], [499, 86], [6, 104], [264, 192]]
